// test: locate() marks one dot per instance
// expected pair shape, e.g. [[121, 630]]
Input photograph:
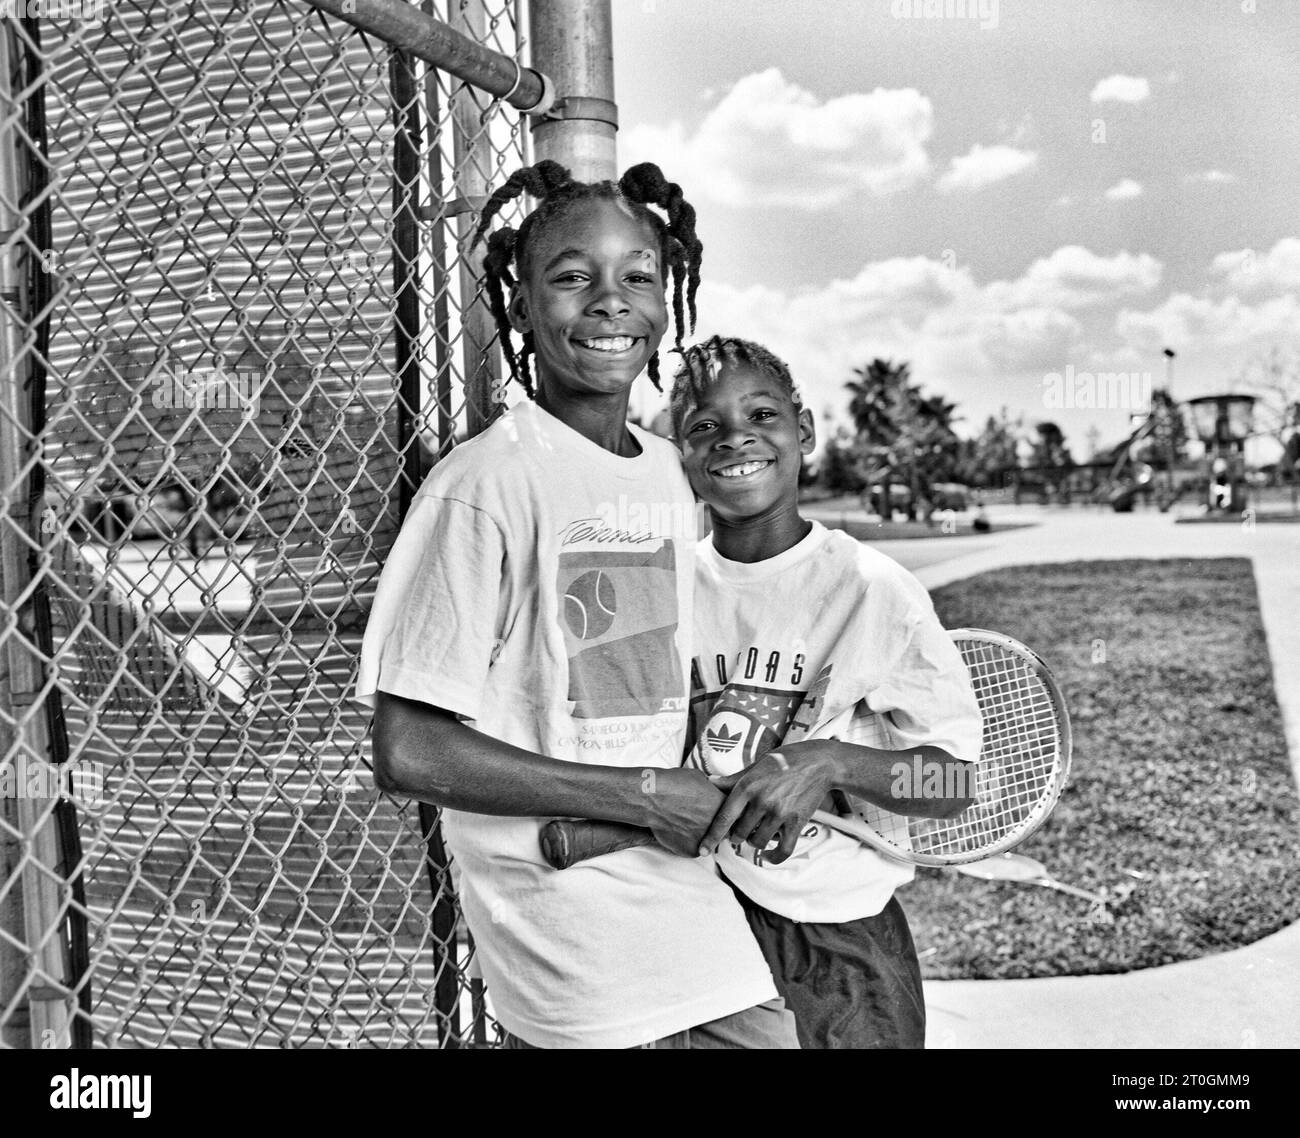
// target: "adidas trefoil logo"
[[722, 740]]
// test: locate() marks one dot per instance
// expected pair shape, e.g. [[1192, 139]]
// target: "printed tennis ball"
[[590, 604]]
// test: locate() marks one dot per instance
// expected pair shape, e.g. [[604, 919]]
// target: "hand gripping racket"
[[1022, 768]]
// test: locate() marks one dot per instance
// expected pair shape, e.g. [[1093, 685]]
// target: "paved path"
[[1249, 997]]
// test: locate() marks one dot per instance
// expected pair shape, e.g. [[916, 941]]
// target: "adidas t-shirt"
[[844, 640]]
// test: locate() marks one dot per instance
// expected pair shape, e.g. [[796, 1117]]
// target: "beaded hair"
[[680, 250], [703, 364]]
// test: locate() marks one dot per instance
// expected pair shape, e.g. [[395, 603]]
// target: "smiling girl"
[[527, 650], [792, 618]]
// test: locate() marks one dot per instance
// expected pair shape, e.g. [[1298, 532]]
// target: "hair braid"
[[542, 181], [496, 273], [703, 364], [645, 183]]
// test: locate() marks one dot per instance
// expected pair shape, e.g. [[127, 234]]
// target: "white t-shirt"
[[833, 617], [541, 588]]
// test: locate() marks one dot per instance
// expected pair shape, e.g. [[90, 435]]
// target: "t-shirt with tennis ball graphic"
[[841, 641], [541, 588]]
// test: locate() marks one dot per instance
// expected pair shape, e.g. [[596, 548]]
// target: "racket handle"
[[566, 843]]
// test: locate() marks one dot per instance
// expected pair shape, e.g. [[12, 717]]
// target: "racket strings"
[[1020, 767], [1020, 756]]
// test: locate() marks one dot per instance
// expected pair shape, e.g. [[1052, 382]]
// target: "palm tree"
[[869, 405], [872, 407], [903, 435]]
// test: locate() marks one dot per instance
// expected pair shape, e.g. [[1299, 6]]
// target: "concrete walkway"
[[1249, 997]]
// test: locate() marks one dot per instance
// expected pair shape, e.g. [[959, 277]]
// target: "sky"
[[1014, 196]]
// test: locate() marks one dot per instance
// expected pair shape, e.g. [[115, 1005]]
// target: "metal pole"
[[407, 27], [472, 173], [1172, 410], [39, 897], [406, 271], [440, 278], [572, 42]]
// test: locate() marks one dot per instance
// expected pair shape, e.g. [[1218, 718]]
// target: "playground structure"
[[1222, 423], [1127, 477]]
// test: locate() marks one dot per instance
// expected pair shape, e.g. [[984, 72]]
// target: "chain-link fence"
[[239, 325]]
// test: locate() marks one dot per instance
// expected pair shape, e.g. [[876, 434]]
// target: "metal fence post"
[[36, 897], [572, 42], [473, 174]]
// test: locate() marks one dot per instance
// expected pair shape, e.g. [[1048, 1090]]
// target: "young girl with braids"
[[794, 622], [527, 651]]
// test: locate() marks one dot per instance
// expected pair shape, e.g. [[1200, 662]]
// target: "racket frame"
[[1038, 814]]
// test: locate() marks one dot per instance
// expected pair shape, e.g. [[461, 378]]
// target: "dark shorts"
[[856, 984]]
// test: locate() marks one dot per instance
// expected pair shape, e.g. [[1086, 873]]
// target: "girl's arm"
[[917, 781], [778, 794], [426, 753]]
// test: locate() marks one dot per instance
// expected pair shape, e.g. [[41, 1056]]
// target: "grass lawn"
[[1181, 805]]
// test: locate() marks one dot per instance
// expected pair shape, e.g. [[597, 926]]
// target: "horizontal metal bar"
[[407, 27], [453, 207]]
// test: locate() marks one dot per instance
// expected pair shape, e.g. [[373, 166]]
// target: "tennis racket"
[[1022, 768]]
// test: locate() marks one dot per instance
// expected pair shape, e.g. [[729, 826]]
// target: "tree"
[[869, 406], [995, 450], [1274, 379], [1052, 457], [902, 436], [840, 467]]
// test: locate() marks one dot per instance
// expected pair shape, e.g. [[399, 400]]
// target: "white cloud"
[[1019, 134], [1074, 277], [1025, 339], [1121, 89], [980, 343], [1199, 323], [1219, 177], [1249, 306], [1124, 190], [984, 165], [1250, 272], [904, 289], [770, 142]]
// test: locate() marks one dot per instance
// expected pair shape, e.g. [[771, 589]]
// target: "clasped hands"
[[772, 800]]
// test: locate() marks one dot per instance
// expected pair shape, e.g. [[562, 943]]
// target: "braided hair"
[[703, 364], [641, 186]]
